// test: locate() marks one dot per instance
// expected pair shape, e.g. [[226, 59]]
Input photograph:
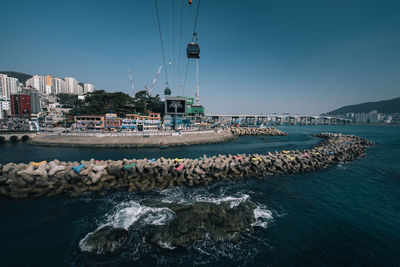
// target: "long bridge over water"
[[279, 119]]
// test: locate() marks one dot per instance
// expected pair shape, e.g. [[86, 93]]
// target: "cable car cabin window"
[[193, 50]]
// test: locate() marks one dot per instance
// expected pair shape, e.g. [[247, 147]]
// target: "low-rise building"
[[139, 116], [111, 121], [4, 107], [128, 124], [142, 122], [93, 122]]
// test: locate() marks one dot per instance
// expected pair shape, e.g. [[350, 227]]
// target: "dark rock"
[[104, 240], [200, 220]]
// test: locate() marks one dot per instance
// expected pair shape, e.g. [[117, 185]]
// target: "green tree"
[[100, 102], [145, 103], [67, 100]]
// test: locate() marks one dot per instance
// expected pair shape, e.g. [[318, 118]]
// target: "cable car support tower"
[[197, 76]]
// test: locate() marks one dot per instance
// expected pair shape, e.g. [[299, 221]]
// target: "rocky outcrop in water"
[[104, 240], [56, 177], [241, 131], [190, 223], [203, 220]]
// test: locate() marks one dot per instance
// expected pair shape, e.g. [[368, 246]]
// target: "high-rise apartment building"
[[71, 85], [88, 88], [38, 82], [12, 85], [3, 86], [8, 85], [58, 86], [53, 85], [48, 84], [80, 89]]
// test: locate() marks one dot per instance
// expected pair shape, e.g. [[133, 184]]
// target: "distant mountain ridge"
[[22, 77], [385, 106]]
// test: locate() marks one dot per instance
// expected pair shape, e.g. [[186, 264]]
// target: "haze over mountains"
[[385, 106]]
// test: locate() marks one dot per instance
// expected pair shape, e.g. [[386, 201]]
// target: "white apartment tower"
[[88, 88], [8, 86], [58, 86], [38, 82], [80, 89], [3, 86], [71, 86], [13, 85]]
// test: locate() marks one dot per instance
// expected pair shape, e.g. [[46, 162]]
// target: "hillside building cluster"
[[373, 117], [37, 97], [44, 85], [37, 101]]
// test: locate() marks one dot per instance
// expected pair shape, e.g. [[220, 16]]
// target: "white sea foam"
[[263, 216], [166, 245], [129, 212], [83, 245], [173, 195], [177, 195], [234, 201]]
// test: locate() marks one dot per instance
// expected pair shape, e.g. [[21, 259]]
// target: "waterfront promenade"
[[121, 140]]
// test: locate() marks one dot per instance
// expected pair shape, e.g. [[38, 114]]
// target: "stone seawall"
[[75, 178], [125, 140]]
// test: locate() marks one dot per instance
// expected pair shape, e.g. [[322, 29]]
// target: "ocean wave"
[[209, 252], [129, 212], [234, 201], [178, 195], [263, 216]]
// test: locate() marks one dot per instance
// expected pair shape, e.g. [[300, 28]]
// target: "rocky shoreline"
[[56, 177], [176, 225]]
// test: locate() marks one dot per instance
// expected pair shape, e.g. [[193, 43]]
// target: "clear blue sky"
[[257, 56]]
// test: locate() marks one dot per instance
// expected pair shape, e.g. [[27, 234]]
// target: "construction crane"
[[132, 86], [155, 79]]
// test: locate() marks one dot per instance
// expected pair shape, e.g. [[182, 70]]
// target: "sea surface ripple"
[[344, 215]]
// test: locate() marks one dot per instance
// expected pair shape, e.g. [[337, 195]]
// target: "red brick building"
[[20, 106]]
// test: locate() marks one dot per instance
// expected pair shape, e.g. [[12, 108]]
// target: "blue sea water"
[[344, 215]]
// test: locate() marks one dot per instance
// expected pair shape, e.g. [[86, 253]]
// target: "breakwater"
[[75, 178], [153, 139]]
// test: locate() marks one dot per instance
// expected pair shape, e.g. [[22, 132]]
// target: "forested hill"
[[385, 106], [22, 77]]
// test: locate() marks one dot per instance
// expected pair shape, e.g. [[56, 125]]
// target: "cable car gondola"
[[193, 50], [167, 91]]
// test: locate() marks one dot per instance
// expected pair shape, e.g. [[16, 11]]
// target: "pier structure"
[[6, 136], [274, 119]]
